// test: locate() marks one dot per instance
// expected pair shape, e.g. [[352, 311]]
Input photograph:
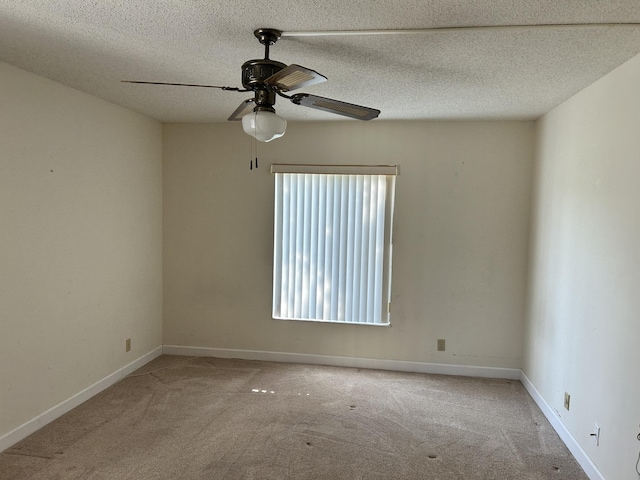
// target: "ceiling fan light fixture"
[[263, 125]]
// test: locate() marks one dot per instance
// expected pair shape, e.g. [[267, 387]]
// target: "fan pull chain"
[[254, 153], [255, 143]]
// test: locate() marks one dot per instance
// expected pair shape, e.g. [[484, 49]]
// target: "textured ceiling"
[[92, 45]]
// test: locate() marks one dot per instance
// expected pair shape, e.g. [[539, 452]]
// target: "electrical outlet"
[[567, 400], [441, 345], [127, 345]]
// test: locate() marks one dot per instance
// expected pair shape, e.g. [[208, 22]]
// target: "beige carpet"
[[208, 418]]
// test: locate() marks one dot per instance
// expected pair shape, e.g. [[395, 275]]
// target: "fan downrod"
[[255, 72], [267, 37]]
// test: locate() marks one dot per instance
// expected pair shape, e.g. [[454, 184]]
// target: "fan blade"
[[294, 77], [335, 106], [236, 89], [244, 108], [478, 28]]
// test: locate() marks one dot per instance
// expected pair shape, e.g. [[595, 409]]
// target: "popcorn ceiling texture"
[[92, 45]]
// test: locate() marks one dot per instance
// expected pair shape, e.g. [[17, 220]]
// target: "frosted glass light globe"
[[264, 126]]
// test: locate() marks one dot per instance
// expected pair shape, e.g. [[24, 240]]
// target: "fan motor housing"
[[255, 72]]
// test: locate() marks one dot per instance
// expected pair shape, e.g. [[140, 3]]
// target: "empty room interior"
[[138, 226]]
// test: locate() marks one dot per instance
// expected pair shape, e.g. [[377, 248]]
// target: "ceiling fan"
[[267, 79]]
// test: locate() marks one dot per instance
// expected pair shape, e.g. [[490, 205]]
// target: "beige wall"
[[460, 231], [80, 242], [583, 334]]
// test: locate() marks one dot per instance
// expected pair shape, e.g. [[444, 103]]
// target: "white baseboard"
[[337, 361], [574, 447], [26, 429]]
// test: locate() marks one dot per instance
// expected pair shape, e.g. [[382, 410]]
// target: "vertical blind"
[[332, 247]]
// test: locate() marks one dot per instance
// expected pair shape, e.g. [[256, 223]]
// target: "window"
[[332, 243]]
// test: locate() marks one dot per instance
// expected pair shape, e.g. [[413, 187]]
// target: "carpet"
[[211, 418]]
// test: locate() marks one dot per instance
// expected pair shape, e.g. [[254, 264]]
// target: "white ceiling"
[[93, 44]]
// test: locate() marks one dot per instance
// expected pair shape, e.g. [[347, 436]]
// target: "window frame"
[[391, 173]]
